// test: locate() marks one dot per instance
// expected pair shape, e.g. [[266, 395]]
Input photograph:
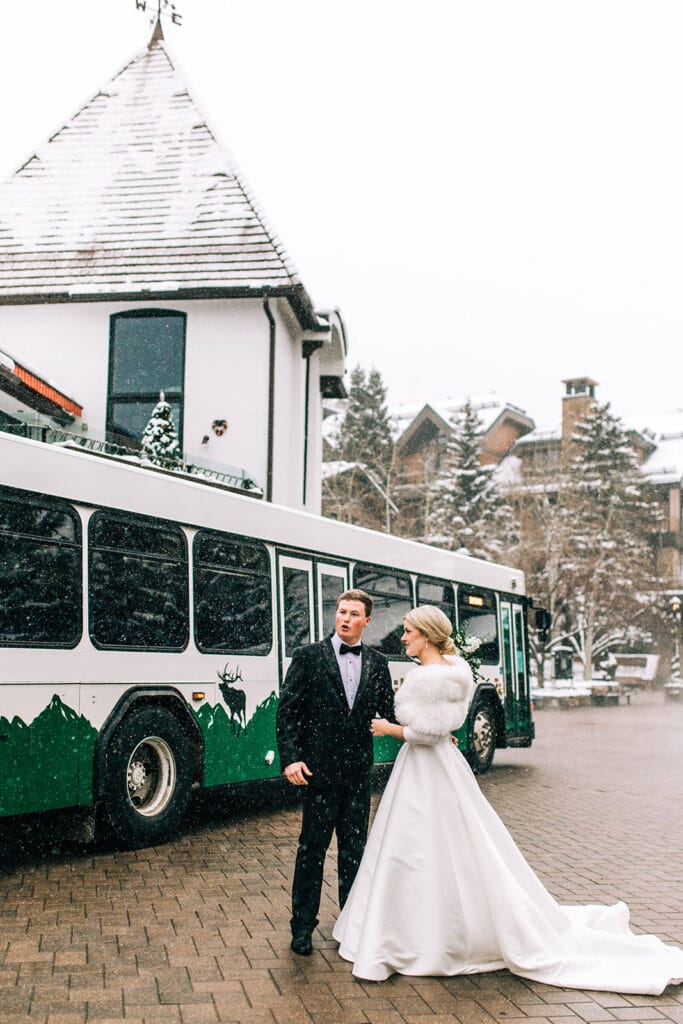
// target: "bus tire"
[[147, 777], [482, 736]]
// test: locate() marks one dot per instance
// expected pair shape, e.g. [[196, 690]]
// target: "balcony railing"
[[212, 473]]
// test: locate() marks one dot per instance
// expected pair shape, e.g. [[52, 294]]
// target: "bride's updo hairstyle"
[[436, 626]]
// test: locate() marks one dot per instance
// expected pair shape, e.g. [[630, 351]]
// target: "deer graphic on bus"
[[235, 700]]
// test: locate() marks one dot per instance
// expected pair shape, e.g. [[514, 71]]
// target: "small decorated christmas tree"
[[159, 438]]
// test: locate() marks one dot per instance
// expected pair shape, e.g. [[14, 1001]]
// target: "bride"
[[442, 889]]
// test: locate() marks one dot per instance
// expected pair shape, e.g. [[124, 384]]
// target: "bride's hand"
[[378, 727]]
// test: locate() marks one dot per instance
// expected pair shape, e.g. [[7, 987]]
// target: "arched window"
[[146, 356]]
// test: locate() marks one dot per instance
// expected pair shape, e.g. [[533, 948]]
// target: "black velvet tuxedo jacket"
[[314, 721]]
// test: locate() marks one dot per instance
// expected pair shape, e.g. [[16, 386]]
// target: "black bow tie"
[[345, 649]]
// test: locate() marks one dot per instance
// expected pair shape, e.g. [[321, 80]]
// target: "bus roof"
[[90, 480]]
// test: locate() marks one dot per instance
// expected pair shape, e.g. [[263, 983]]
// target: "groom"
[[331, 692]]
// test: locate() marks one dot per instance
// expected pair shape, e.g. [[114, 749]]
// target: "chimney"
[[577, 401]]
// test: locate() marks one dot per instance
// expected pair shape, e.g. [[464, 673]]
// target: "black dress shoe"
[[301, 943]]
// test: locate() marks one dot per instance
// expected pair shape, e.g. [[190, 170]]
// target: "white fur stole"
[[435, 699]]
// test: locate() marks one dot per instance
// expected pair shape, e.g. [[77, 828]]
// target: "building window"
[[146, 356]]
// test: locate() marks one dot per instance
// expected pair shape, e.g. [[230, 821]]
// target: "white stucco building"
[[134, 260]]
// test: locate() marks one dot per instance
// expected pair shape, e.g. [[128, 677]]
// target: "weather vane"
[[164, 7]]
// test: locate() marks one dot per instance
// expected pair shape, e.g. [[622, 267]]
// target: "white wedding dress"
[[442, 888]]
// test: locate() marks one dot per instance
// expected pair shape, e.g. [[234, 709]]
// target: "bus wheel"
[[482, 745], [148, 780]]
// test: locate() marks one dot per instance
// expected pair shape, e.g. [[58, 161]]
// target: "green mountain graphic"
[[235, 754], [47, 764]]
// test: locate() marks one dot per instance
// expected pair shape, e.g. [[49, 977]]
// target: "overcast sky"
[[489, 190]]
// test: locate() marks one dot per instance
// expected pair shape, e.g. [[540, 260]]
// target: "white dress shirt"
[[350, 666]]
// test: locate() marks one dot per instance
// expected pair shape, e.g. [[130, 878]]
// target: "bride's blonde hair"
[[436, 626]]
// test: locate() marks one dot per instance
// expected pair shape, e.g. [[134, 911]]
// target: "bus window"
[[232, 595], [331, 584], [391, 601], [477, 616], [297, 608], [138, 588], [41, 582], [439, 593]]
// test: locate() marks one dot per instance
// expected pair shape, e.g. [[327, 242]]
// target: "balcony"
[[200, 470]]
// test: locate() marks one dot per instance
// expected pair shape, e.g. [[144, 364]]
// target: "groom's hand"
[[295, 772]]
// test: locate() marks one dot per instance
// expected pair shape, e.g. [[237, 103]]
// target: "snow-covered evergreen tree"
[[364, 452], [365, 434], [610, 567], [159, 438], [467, 510]]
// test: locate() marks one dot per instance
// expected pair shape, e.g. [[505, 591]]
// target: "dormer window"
[[146, 356]]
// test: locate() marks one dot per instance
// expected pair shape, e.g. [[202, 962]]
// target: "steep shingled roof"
[[134, 197]]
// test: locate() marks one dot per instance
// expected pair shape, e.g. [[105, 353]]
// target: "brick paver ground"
[[197, 930]]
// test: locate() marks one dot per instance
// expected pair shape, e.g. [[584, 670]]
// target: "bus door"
[[333, 580], [517, 709], [295, 606]]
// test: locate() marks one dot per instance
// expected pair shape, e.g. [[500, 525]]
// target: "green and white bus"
[[147, 621]]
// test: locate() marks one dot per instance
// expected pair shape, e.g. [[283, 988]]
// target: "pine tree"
[[365, 450], [467, 510], [609, 568], [159, 438], [365, 434]]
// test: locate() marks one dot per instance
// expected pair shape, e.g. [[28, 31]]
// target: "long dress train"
[[443, 890]]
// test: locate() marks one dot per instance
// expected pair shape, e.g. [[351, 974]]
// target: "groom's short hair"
[[357, 595]]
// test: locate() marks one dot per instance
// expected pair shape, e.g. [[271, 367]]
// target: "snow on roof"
[[665, 465], [134, 194], [488, 406], [665, 430]]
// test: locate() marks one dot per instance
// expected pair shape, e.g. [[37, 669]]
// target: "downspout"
[[307, 349], [271, 396]]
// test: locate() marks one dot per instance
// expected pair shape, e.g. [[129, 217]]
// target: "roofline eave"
[[295, 294]]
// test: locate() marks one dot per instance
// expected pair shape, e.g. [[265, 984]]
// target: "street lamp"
[[675, 605]]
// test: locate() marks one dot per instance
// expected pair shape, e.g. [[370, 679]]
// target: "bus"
[[147, 621]]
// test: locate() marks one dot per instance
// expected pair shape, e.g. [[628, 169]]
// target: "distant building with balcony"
[[422, 434], [657, 440]]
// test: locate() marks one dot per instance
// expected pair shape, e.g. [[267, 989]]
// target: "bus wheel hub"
[[136, 775]]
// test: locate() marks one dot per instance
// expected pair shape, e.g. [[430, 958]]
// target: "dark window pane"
[[439, 593], [330, 589], [138, 591], [391, 601], [17, 516], [232, 612], [137, 535], [40, 593], [296, 605], [148, 353], [231, 553], [128, 419], [40, 574], [147, 356], [477, 616], [232, 595]]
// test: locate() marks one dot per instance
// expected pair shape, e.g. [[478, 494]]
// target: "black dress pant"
[[344, 809]]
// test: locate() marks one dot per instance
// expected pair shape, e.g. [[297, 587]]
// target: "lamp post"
[[675, 605]]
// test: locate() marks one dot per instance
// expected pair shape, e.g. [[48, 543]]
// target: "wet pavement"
[[198, 930]]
